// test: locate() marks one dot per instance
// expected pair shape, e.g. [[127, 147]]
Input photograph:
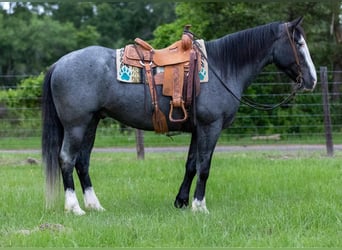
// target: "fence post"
[[326, 110], [139, 138]]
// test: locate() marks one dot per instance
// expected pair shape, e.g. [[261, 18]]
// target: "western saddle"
[[180, 80]]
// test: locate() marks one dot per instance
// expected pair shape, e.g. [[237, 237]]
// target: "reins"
[[246, 101]]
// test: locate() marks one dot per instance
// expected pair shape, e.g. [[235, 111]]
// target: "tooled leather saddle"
[[180, 80]]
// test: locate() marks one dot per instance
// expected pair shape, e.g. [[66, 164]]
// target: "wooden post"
[[326, 109], [139, 138]]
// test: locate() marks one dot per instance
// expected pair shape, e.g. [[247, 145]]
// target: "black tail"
[[52, 137]]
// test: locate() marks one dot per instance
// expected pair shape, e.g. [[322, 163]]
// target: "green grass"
[[255, 199], [152, 139]]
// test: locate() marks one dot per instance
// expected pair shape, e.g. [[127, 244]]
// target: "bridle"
[[243, 99], [299, 78]]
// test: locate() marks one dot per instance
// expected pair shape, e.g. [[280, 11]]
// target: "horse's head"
[[292, 55]]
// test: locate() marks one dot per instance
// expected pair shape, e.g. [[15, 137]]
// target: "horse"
[[81, 88]]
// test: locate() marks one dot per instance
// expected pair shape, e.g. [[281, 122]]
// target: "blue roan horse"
[[81, 88]]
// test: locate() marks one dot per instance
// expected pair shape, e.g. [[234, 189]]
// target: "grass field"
[[151, 139], [255, 199]]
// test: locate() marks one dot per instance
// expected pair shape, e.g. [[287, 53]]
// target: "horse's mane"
[[235, 50]]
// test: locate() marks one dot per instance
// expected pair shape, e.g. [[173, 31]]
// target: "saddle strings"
[[141, 56], [244, 100]]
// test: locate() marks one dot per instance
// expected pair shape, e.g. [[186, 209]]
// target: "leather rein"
[[248, 102]]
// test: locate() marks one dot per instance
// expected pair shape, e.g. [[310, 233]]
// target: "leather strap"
[[299, 78], [151, 86], [158, 117]]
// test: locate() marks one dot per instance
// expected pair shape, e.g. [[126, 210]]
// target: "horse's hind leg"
[[82, 167], [71, 146]]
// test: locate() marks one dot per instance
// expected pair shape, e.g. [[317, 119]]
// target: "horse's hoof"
[[199, 206], [75, 210], [181, 203], [71, 203], [95, 207]]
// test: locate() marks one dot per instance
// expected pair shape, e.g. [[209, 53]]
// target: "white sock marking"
[[71, 203], [91, 201], [199, 206]]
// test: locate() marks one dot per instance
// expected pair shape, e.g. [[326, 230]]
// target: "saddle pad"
[[129, 74]]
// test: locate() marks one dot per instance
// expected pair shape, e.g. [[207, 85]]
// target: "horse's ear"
[[296, 22]]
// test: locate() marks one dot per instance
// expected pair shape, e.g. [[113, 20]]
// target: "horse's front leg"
[[207, 137], [182, 198]]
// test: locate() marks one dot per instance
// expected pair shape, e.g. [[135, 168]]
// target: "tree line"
[[34, 35]]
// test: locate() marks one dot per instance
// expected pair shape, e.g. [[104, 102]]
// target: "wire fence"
[[300, 120]]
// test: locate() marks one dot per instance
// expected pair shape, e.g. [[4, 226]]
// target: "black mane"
[[235, 50]]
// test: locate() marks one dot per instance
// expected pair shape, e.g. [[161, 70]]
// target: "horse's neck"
[[250, 71], [232, 66], [241, 56]]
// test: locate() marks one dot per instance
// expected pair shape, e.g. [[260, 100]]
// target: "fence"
[[301, 120]]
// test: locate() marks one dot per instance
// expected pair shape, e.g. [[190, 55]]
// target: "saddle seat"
[[178, 52], [181, 61]]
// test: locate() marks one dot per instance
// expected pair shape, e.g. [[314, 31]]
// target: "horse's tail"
[[52, 137]]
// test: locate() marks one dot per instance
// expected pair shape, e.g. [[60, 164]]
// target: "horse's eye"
[[299, 44]]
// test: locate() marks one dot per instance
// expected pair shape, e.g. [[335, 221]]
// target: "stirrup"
[[184, 112]]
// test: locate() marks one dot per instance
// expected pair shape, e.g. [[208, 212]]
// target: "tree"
[[28, 46], [32, 40], [35, 34], [336, 34], [120, 23], [77, 13]]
